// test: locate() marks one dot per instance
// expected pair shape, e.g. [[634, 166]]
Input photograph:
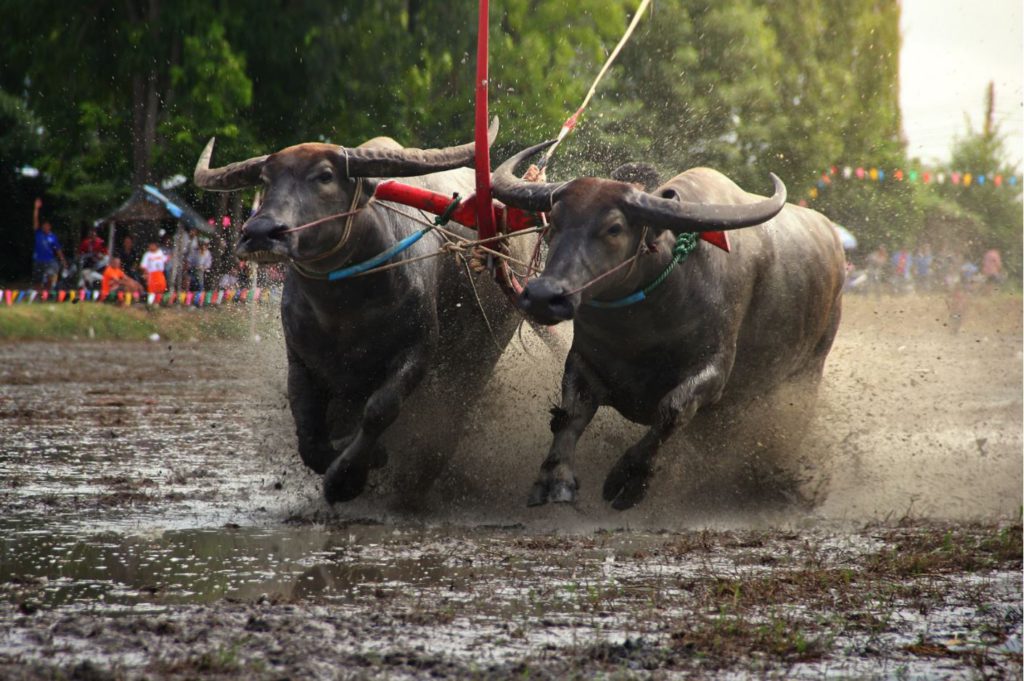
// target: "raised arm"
[[35, 214]]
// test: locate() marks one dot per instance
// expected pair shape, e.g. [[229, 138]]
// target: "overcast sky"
[[951, 50]]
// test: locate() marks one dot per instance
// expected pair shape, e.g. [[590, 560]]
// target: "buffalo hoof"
[[554, 491], [626, 484], [344, 482], [317, 458]]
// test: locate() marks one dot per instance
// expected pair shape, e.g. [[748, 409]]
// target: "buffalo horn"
[[512, 191], [682, 216], [229, 178], [363, 162]]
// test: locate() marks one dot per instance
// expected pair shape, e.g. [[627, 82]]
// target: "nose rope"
[[346, 233], [641, 249]]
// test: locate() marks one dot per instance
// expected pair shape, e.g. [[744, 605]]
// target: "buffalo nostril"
[[561, 306], [278, 233]]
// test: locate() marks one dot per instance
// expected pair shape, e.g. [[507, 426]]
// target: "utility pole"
[[990, 106]]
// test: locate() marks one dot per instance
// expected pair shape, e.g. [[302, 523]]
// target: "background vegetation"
[[103, 95]]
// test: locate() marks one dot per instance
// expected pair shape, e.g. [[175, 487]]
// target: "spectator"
[[923, 266], [128, 252], [876, 264], [91, 250], [153, 264], [47, 256], [202, 261], [901, 271], [229, 279], [114, 280], [992, 266]]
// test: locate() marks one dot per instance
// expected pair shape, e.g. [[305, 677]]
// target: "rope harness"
[[453, 243], [686, 243]]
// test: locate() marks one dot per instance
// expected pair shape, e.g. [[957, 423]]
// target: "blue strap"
[[378, 259], [621, 302]]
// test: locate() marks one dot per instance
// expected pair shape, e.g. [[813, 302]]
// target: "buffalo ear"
[[642, 175]]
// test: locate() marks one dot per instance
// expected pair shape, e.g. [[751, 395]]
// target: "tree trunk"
[[145, 98]]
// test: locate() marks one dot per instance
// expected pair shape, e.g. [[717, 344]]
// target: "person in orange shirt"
[[114, 280], [153, 264]]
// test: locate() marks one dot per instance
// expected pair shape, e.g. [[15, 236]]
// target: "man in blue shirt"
[[47, 256]]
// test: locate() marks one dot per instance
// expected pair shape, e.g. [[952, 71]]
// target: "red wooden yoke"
[[480, 211]]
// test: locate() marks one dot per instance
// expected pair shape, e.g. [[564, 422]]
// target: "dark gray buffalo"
[[720, 329], [359, 347]]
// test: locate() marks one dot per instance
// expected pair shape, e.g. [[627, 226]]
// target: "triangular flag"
[[188, 298], [32, 295], [72, 295], [150, 299], [720, 239], [181, 297], [209, 296], [61, 295], [128, 298], [9, 296], [256, 295], [45, 295]]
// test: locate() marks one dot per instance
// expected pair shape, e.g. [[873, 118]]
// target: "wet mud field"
[[155, 523]]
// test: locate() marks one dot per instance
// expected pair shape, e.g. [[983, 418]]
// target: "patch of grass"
[[944, 550], [90, 321], [721, 640]]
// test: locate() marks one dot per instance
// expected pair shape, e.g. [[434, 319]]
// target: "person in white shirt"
[[153, 264]]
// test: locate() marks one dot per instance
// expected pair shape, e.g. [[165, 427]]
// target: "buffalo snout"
[[263, 237], [548, 302]]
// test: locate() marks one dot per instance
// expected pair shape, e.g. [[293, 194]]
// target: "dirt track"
[[156, 523]]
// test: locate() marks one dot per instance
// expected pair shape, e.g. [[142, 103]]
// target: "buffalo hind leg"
[[627, 482], [557, 482], [347, 475]]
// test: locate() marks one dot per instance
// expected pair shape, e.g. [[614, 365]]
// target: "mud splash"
[[155, 521]]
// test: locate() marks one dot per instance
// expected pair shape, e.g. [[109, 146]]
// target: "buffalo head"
[[307, 183], [598, 224]]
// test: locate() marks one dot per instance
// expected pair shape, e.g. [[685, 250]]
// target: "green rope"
[[442, 219], [686, 243]]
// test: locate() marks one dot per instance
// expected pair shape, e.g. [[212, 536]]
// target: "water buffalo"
[[357, 348], [666, 345]]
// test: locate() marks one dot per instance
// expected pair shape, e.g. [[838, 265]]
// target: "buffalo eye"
[[325, 177], [614, 230]]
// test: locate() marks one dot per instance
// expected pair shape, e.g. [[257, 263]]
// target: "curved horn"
[[364, 162], [229, 178], [512, 191], [682, 216]]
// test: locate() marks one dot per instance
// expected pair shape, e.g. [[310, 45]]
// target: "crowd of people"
[[907, 270], [185, 263]]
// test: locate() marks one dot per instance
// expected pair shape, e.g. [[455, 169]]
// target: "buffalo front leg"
[[629, 478], [308, 399], [557, 482], [346, 477]]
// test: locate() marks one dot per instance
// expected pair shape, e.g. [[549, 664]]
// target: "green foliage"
[[129, 91]]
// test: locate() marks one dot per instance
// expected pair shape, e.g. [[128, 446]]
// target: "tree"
[[982, 156]]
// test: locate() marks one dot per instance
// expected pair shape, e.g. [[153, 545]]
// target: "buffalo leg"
[[627, 482], [557, 482], [346, 477], [308, 399]]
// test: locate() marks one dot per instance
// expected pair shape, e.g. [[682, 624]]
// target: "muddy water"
[[150, 500]]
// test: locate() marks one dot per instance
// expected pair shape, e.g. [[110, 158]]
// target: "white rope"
[[570, 123]]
